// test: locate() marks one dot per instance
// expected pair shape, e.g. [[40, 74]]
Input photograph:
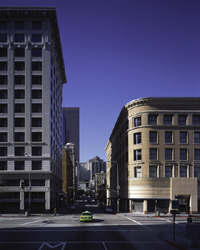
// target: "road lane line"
[[178, 223], [30, 222], [104, 246], [139, 223]]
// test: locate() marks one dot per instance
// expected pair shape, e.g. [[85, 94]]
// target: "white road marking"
[[178, 223], [63, 244], [31, 222], [139, 224]]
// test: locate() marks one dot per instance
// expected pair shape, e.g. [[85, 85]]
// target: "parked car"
[[86, 216]]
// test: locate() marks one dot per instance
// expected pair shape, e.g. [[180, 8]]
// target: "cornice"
[[163, 101], [38, 12]]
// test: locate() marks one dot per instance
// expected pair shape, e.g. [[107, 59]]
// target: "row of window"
[[20, 38], [169, 171], [167, 120], [20, 79], [20, 137], [169, 137], [20, 122], [19, 66], [19, 25], [16, 183], [20, 94], [20, 108], [20, 52], [20, 151], [169, 154]]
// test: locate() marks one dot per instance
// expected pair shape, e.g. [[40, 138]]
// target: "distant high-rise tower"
[[71, 128], [32, 74]]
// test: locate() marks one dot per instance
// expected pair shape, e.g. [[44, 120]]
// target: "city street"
[[106, 232]]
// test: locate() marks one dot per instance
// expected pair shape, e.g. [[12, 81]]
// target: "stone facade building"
[[32, 75], [156, 143]]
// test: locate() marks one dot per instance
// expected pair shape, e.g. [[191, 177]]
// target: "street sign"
[[175, 204], [178, 197]]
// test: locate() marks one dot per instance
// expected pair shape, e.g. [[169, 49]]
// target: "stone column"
[[145, 206]]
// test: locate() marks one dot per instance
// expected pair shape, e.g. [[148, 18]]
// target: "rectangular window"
[[153, 154], [19, 94], [36, 66], [3, 122], [37, 94], [3, 94], [168, 137], [183, 137], [152, 120], [36, 25], [38, 182], [36, 108], [19, 52], [3, 165], [3, 108], [19, 151], [19, 165], [197, 154], [183, 171], [36, 38], [36, 165], [19, 25], [36, 122], [36, 136], [138, 172], [36, 151], [3, 52], [36, 52], [137, 154], [168, 119], [153, 138], [3, 79], [37, 79], [196, 137], [137, 121], [196, 119], [19, 79], [3, 38], [153, 171], [3, 151], [182, 119], [19, 136], [137, 138], [19, 108], [19, 38], [3, 25], [183, 154], [168, 171], [19, 65], [168, 154], [197, 171], [3, 136], [3, 66], [20, 122]]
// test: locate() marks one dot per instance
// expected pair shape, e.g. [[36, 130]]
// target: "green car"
[[86, 216]]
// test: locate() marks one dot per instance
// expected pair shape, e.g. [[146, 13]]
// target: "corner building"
[[156, 143], [32, 74]]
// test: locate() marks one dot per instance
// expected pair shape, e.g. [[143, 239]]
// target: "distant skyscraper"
[[71, 128]]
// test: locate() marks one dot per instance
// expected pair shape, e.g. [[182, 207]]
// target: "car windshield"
[[86, 213]]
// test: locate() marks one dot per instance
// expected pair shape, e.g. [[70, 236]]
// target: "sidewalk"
[[181, 242]]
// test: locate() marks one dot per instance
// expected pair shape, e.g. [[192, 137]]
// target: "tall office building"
[[71, 128], [32, 73]]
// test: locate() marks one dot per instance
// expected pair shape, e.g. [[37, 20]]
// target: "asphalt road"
[[66, 232]]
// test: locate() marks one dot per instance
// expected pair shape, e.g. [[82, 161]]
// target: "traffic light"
[[22, 185]]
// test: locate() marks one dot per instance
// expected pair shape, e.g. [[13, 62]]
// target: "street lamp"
[[29, 190]]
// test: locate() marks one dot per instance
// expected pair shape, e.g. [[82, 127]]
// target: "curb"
[[176, 245]]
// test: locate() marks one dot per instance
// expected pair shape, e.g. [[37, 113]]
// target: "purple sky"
[[116, 51]]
